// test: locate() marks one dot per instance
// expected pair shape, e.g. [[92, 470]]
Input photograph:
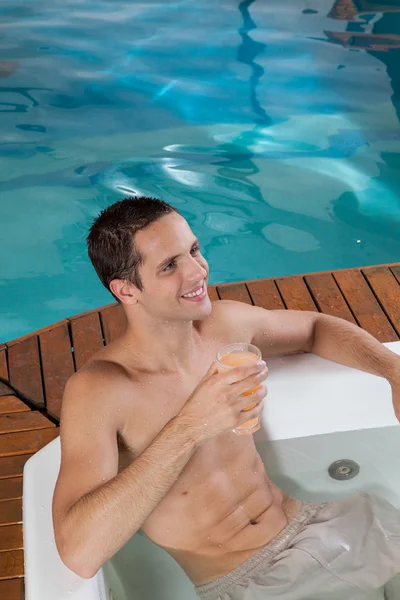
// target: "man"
[[147, 441]]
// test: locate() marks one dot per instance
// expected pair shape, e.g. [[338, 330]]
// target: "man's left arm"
[[285, 332]]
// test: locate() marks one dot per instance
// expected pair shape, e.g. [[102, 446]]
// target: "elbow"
[[80, 567], [312, 337], [77, 559]]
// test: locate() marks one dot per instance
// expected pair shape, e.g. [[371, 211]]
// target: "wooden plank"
[[3, 364], [295, 294], [24, 370], [212, 292], [12, 466], [87, 338], [24, 421], [11, 565], [113, 321], [10, 489], [386, 289], [11, 538], [12, 589], [5, 390], [235, 291], [395, 269], [364, 305], [12, 404], [11, 511], [26, 442], [264, 293], [57, 365], [328, 296]]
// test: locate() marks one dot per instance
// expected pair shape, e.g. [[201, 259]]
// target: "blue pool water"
[[273, 126]]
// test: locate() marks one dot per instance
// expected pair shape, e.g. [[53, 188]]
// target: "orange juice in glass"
[[236, 355]]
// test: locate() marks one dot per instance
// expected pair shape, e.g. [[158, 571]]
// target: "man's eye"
[[195, 249], [169, 266]]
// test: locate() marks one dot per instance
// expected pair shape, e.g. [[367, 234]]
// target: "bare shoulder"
[[231, 312], [231, 309], [236, 317], [99, 387], [276, 332]]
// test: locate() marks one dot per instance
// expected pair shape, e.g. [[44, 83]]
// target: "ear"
[[125, 291]]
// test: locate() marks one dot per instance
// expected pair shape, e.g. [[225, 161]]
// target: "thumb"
[[211, 371]]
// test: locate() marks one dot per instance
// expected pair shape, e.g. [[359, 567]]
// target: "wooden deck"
[[23, 431], [35, 368]]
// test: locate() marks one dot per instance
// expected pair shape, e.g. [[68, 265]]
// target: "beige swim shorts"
[[342, 550]]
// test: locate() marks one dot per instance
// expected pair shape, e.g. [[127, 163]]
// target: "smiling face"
[[174, 273]]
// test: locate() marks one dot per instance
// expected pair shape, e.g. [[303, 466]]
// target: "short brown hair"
[[111, 243]]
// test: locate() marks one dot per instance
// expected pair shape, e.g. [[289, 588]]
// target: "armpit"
[[125, 455]]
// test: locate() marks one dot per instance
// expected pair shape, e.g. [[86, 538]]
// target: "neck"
[[162, 345]]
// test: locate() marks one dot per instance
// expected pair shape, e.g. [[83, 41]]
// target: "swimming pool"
[[274, 131]]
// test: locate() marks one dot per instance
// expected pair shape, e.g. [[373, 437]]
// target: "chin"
[[202, 311], [196, 312]]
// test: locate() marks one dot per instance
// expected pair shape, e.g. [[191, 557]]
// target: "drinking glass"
[[235, 355]]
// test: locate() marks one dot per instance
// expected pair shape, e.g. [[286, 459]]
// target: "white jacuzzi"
[[316, 412]]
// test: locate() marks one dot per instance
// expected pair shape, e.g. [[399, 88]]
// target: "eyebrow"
[[172, 258]]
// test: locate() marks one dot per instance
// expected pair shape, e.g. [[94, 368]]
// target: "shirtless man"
[[147, 441]]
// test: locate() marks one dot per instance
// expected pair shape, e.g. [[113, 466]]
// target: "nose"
[[195, 271]]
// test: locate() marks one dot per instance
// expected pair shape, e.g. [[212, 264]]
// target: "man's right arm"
[[96, 509]]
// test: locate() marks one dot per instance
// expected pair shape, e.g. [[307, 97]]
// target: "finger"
[[249, 382], [251, 414], [232, 375], [213, 370], [244, 403]]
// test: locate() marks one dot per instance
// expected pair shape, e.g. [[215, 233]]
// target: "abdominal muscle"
[[221, 510]]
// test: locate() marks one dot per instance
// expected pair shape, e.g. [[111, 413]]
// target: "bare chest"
[[214, 464], [159, 399]]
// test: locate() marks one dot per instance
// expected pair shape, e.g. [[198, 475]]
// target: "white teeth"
[[193, 294]]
